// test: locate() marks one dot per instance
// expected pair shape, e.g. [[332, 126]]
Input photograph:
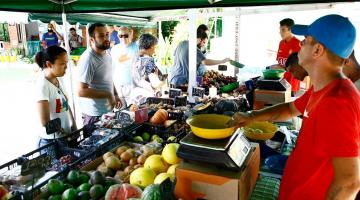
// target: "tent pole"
[[192, 53], [67, 47]]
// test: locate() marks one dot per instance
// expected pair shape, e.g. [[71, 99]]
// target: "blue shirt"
[[180, 71], [114, 37], [50, 40]]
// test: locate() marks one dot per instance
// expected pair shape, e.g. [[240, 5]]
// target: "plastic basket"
[[156, 100], [55, 151], [164, 134]]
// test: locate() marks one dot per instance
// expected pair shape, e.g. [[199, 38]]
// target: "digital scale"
[[277, 85], [230, 152]]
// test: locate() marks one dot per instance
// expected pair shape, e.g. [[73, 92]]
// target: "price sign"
[[180, 101], [141, 115], [198, 92], [38, 164], [124, 117], [173, 92]]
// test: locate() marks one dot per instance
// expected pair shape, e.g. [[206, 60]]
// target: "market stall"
[[161, 149]]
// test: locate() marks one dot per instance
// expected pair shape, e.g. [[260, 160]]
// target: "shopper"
[[114, 38], [351, 70], [123, 55], [96, 88], [180, 70], [51, 37], [325, 161], [289, 44], [52, 100], [146, 75], [75, 40], [292, 66]]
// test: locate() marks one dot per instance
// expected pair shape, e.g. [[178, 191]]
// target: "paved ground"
[[19, 117]]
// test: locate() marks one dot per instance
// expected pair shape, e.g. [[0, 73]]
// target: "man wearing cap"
[[325, 161]]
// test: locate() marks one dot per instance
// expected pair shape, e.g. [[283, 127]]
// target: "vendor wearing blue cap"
[[325, 161]]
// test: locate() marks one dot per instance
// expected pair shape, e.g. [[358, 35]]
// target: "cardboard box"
[[264, 98], [203, 181]]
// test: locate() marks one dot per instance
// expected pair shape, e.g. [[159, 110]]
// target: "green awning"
[[84, 18], [87, 6]]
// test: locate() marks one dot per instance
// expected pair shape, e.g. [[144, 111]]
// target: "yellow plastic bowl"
[[210, 126], [268, 130]]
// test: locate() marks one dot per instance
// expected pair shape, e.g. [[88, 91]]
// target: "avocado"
[[97, 178], [83, 195], [96, 191]]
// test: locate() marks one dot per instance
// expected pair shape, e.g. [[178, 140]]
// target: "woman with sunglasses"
[[52, 100], [122, 56]]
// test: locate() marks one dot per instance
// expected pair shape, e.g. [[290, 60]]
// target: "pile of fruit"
[[84, 185], [215, 79]]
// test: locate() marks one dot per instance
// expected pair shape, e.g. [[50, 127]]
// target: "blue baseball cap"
[[335, 32]]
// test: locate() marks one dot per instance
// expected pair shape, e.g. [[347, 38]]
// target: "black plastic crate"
[[163, 134], [99, 151], [55, 151]]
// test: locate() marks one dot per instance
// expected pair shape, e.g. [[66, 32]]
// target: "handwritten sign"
[[173, 92], [198, 91], [124, 117], [180, 101], [38, 164]]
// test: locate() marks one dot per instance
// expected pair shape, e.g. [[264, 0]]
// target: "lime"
[[84, 187], [146, 136], [73, 177], [69, 194], [55, 186]]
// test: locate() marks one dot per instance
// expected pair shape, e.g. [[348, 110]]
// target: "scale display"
[[239, 149]]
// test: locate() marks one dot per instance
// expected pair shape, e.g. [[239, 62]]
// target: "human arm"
[[280, 112], [346, 181], [214, 62], [118, 102], [85, 91], [44, 112], [56, 32], [73, 122]]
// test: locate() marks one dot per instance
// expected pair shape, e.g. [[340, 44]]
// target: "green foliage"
[[167, 28]]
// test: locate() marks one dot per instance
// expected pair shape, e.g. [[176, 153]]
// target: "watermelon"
[[151, 192], [122, 192]]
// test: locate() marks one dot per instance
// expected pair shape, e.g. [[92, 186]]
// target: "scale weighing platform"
[[230, 152], [277, 85]]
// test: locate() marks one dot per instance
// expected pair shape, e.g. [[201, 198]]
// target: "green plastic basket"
[[273, 74]]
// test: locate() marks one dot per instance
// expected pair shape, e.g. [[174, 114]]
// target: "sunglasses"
[[124, 36]]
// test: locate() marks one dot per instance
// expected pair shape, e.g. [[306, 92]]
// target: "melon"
[[123, 192], [142, 177]]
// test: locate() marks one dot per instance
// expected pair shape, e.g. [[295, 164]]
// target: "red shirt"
[[285, 49], [295, 83], [331, 128]]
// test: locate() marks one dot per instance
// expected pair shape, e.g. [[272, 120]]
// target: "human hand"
[[118, 102], [226, 60], [123, 58], [240, 119]]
